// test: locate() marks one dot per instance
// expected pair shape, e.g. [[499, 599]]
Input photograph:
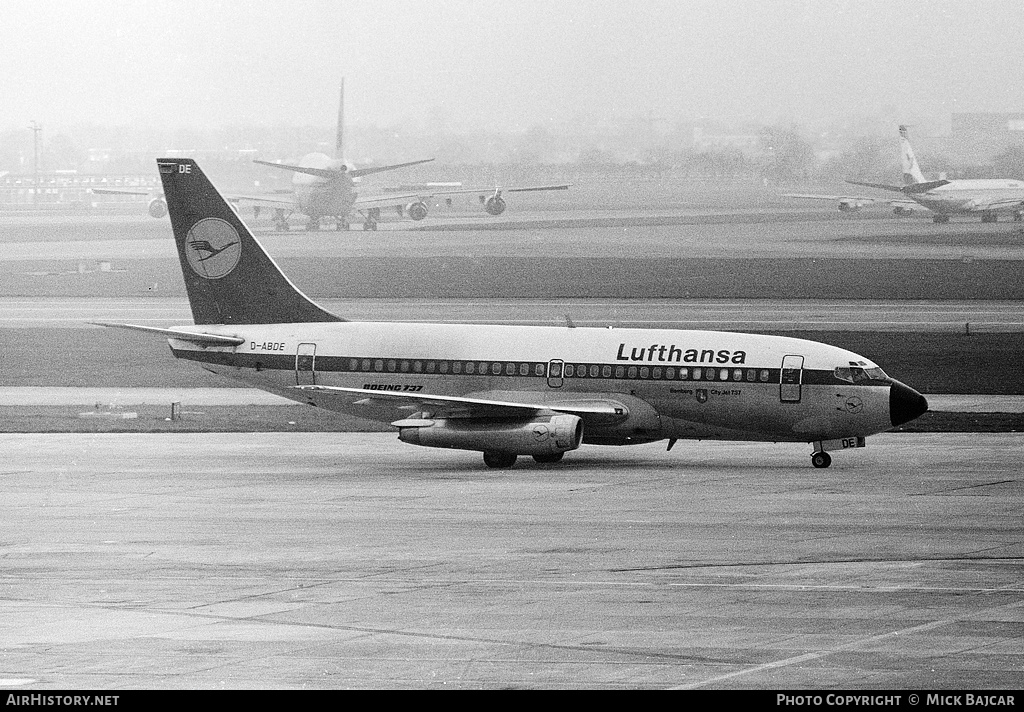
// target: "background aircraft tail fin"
[[229, 277], [911, 171], [339, 140]]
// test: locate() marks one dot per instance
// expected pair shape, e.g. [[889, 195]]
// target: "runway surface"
[[354, 561], [733, 315]]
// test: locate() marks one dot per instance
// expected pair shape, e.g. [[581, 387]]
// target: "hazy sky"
[[503, 64]]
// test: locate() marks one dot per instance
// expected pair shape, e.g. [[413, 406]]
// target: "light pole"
[[36, 129]]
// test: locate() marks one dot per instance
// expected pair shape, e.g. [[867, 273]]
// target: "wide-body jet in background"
[[986, 197], [507, 391], [325, 187]]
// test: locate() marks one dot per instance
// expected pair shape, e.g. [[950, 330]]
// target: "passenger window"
[[538, 370], [378, 365], [510, 369], [684, 373], [417, 366], [764, 375], [404, 366], [431, 366], [632, 372], [656, 373], [496, 368], [751, 374], [391, 365], [470, 367], [697, 373], [606, 372], [569, 370], [366, 364], [595, 370], [737, 374], [620, 371], [723, 374], [457, 367], [644, 372], [524, 369], [353, 364]]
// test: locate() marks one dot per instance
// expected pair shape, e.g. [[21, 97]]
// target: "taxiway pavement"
[[355, 561]]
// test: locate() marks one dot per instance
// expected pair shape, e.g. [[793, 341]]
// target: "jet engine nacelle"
[[901, 211], [157, 207], [546, 436], [416, 211], [495, 205], [850, 206]]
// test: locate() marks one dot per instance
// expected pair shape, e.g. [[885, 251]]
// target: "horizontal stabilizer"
[[356, 173], [204, 339], [924, 187], [325, 173], [883, 186]]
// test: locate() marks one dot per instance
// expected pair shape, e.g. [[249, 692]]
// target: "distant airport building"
[[65, 189]]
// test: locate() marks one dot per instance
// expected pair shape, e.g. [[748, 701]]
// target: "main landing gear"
[[372, 216], [502, 460], [821, 459], [505, 460]]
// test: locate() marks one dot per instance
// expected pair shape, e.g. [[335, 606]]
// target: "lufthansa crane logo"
[[212, 248]]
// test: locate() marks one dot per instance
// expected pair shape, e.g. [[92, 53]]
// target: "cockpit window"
[[859, 374]]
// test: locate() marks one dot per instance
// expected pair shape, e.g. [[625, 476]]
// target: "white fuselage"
[[675, 384], [974, 196], [321, 197]]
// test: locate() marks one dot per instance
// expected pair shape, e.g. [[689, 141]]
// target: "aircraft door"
[[791, 379], [305, 365], [555, 367]]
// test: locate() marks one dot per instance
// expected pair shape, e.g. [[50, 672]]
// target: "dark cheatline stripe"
[[383, 366]]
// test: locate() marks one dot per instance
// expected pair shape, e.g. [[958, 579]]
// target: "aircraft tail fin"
[[339, 141], [911, 170], [229, 277]]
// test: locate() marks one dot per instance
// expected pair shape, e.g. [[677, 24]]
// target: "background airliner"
[[326, 187], [507, 391], [987, 197]]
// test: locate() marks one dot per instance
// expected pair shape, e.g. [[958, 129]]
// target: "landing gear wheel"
[[342, 225], [499, 459], [821, 459], [545, 459], [370, 224]]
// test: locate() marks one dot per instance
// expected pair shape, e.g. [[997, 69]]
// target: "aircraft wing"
[[498, 190], [883, 186], [461, 407], [908, 205], [286, 201], [984, 204], [807, 196], [122, 191], [194, 337], [387, 201]]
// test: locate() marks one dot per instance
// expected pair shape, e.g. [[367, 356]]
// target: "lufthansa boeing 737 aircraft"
[[507, 391]]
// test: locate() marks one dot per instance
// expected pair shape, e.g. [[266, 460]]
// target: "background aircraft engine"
[[559, 433], [416, 211], [850, 206], [157, 207], [495, 205]]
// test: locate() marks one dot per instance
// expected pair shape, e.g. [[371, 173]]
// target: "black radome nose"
[[905, 403]]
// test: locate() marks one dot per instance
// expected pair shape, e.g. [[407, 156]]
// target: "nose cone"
[[905, 403]]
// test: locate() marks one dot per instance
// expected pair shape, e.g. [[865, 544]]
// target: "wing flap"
[[592, 410]]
